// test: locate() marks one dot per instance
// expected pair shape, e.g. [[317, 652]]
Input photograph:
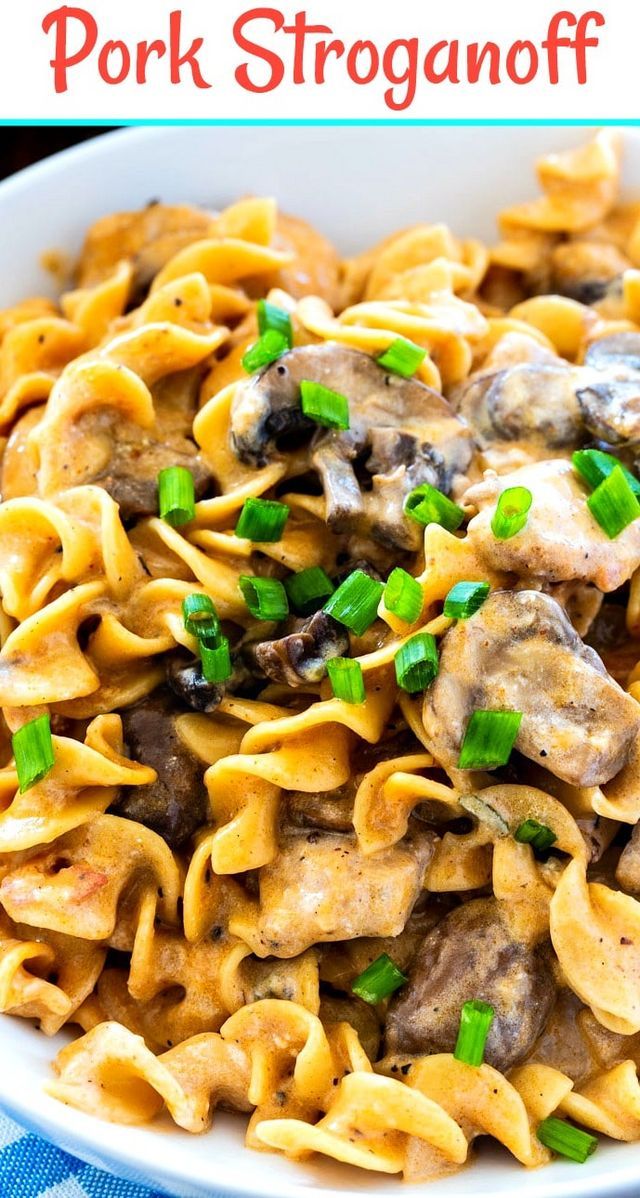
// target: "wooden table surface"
[[21, 146]]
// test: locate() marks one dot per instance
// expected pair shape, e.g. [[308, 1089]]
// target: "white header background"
[[27, 83]]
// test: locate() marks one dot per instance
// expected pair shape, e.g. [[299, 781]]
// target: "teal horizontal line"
[[392, 121]]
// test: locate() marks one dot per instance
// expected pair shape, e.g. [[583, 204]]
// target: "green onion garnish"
[[378, 980], [262, 520], [402, 357], [566, 1140], [200, 617], [539, 836], [33, 751], [613, 504], [427, 505], [489, 739], [417, 663], [274, 319], [326, 407], [271, 346], [347, 681], [594, 465], [216, 660], [355, 603], [403, 596], [308, 589], [511, 512], [176, 496], [464, 599], [475, 1022], [266, 598]]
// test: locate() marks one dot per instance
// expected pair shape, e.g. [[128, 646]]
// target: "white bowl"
[[357, 184]]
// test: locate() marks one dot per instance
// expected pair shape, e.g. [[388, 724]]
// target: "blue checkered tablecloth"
[[33, 1168]]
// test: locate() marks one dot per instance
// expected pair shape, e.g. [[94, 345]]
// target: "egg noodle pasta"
[[319, 677]]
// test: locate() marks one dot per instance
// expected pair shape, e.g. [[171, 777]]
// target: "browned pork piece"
[[176, 803], [322, 888], [520, 652], [401, 434], [135, 460], [561, 541], [472, 954]]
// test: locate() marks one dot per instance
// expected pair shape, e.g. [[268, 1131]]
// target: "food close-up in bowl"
[[319, 678]]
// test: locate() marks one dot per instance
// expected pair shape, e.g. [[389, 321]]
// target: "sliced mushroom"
[[188, 683], [611, 410], [519, 652], [619, 351], [534, 403], [471, 953], [321, 888], [544, 406], [402, 432], [301, 655], [561, 541], [176, 804], [610, 399], [185, 677]]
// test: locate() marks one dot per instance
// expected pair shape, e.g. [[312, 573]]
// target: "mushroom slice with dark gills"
[[176, 804], [520, 652], [610, 399], [532, 403], [402, 433], [561, 541], [302, 653], [322, 888], [187, 681], [472, 954]]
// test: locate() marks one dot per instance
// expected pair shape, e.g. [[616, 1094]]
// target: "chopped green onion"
[[566, 1140], [594, 465], [262, 520], [378, 980], [33, 751], [417, 663], [326, 407], [347, 681], [464, 599], [272, 318], [402, 357], [271, 346], [539, 836], [308, 589], [489, 739], [355, 603], [427, 505], [200, 617], [216, 660], [403, 596], [266, 598], [475, 1022], [511, 512], [176, 496], [613, 504]]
